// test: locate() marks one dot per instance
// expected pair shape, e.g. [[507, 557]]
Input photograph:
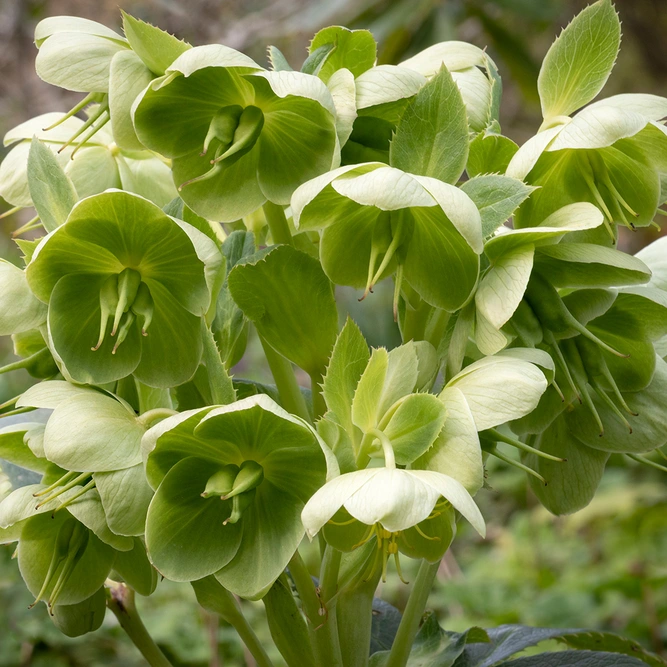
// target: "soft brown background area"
[[517, 33]]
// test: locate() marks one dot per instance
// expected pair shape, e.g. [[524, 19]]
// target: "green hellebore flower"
[[376, 221], [95, 440], [473, 71], [390, 501], [66, 549], [608, 377], [238, 136], [610, 154], [512, 255], [93, 166], [126, 288], [230, 486]]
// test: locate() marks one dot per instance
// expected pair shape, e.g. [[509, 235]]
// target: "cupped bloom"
[[610, 154], [238, 135], [396, 499], [377, 220], [230, 483], [126, 288], [405, 510], [93, 166], [473, 71]]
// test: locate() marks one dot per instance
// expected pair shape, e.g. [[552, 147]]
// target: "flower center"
[[235, 483], [126, 299], [233, 132]]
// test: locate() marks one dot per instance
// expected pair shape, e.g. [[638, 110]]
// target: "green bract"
[[230, 486], [126, 285], [377, 221], [252, 136]]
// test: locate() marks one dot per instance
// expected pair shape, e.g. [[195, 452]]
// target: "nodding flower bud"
[[222, 482], [250, 476], [240, 504], [70, 545], [237, 133], [237, 484], [124, 297], [143, 307], [108, 305], [222, 127], [128, 286]]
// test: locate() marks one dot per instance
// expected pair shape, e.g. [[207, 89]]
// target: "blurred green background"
[[604, 568]]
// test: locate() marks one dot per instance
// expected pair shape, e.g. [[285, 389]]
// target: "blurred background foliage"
[[603, 568]]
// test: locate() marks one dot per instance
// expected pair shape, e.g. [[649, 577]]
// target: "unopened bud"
[[221, 483], [250, 476]]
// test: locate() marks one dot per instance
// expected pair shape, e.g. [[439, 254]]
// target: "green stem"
[[222, 389], [407, 630], [322, 628], [121, 603], [288, 388], [275, 217], [319, 406], [414, 324], [152, 417], [218, 600]]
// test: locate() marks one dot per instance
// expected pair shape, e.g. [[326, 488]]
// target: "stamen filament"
[[611, 405], [77, 495], [88, 99], [648, 462], [515, 442], [516, 464], [77, 480], [63, 480]]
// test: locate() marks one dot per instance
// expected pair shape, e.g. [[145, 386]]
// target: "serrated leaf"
[[490, 154], [613, 643], [355, 50], [348, 360], [432, 137], [156, 48], [579, 62], [277, 59], [53, 194], [496, 197]]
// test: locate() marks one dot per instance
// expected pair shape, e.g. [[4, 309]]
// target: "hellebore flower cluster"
[[204, 200]]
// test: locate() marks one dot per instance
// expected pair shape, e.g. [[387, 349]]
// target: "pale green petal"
[[210, 55], [458, 207], [455, 493], [35, 128], [456, 452], [654, 107], [55, 24], [19, 309], [528, 155], [386, 83], [576, 217], [489, 340], [503, 285], [341, 85], [598, 127], [322, 198], [330, 498], [285, 84], [51, 394], [77, 61], [452, 54], [92, 432], [397, 499], [386, 188], [499, 389]]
